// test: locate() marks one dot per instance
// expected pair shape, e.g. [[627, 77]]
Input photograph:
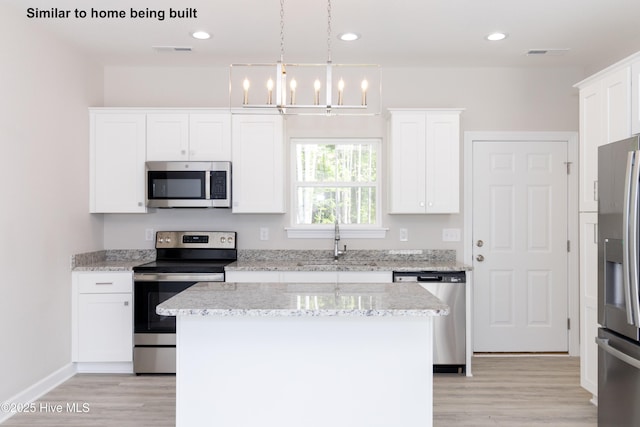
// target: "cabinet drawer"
[[105, 283]]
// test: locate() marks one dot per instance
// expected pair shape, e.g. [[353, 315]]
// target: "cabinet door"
[[105, 328], [589, 301], [117, 163], [309, 277], [258, 164], [635, 98], [210, 137], [252, 276], [617, 105], [443, 163], [591, 112], [407, 163], [167, 137], [365, 277]]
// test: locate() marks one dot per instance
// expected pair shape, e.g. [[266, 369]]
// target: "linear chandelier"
[[290, 88]]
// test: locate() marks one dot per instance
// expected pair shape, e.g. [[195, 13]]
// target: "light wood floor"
[[504, 391], [515, 392]]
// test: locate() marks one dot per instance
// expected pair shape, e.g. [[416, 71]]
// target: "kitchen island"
[[273, 354]]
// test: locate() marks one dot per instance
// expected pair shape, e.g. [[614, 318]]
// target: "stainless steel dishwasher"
[[449, 353]]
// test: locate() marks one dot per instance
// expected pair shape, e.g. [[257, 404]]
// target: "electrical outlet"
[[450, 234], [264, 233], [404, 235], [148, 234]]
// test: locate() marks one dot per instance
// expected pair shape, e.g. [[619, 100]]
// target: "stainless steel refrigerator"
[[618, 284]]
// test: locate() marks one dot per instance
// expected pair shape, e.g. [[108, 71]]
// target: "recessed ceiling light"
[[348, 37], [494, 37], [201, 35]]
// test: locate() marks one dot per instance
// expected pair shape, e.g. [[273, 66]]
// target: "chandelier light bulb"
[[270, 91], [293, 86], [340, 91], [316, 86], [245, 85], [364, 86]]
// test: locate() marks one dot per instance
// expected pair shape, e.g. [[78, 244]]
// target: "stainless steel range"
[[183, 258]]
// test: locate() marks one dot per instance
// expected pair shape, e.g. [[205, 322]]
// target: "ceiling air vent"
[[172, 48], [547, 52]]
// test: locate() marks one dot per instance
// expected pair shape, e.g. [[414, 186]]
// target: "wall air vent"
[[547, 52], [172, 48]]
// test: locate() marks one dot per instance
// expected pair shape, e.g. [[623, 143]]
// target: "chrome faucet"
[[336, 242]]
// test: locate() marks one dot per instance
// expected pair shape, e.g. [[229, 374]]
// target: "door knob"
[[479, 243], [480, 258]]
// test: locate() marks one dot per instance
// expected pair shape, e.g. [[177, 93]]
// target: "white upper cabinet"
[[117, 155], [210, 136], [605, 116], [188, 136], [635, 97], [258, 163], [424, 161]]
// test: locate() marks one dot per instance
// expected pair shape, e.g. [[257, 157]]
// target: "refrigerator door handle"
[[603, 343], [626, 274], [633, 241]]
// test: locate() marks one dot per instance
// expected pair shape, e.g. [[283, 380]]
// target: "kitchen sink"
[[338, 263]]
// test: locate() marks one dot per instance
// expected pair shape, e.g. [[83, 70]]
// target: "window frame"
[[327, 230]]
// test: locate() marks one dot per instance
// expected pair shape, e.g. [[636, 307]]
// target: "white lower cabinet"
[[589, 301], [102, 321], [309, 276]]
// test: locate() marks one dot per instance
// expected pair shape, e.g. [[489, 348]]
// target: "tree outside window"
[[336, 180]]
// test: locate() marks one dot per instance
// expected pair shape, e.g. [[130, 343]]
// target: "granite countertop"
[[358, 260], [304, 300], [289, 260], [111, 260]]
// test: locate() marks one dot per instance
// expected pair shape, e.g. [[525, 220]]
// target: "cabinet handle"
[[595, 233], [183, 152], [595, 190], [421, 204], [139, 203], [104, 283], [126, 303]]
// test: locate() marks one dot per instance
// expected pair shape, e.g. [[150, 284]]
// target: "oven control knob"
[[223, 239], [230, 239]]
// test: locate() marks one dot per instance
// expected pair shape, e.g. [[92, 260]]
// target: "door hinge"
[[568, 245], [568, 167], [568, 323]]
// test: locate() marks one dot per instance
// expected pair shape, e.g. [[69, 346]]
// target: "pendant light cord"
[[329, 31], [282, 31]]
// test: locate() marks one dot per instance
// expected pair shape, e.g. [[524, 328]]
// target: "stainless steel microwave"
[[188, 184]]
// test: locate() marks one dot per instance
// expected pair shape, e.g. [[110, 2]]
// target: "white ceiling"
[[399, 32]]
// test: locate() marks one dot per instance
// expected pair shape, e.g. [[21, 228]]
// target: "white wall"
[[45, 90], [494, 98]]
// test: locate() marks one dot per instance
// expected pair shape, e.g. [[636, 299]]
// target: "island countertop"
[[304, 300]]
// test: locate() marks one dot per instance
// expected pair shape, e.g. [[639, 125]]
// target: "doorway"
[[520, 204]]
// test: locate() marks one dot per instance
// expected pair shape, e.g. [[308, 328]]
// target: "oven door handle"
[[173, 277]]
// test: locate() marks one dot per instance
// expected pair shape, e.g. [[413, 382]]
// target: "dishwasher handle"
[[429, 278]]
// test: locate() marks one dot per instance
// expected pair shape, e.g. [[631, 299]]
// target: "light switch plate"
[[404, 234], [450, 234], [264, 233], [148, 234]]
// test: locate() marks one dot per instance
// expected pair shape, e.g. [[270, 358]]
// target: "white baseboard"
[[104, 367], [39, 389]]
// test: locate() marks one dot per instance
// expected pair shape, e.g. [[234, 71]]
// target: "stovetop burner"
[[182, 266], [192, 252]]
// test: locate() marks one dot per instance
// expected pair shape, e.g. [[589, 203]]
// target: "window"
[[336, 179]]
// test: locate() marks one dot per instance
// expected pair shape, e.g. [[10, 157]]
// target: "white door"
[[520, 246]]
